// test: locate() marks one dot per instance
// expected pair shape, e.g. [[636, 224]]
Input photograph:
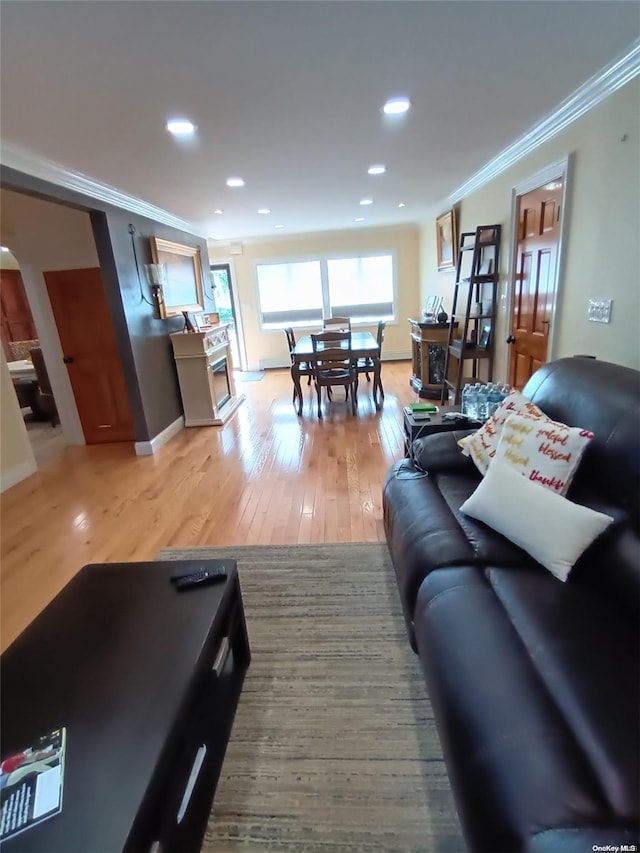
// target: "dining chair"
[[305, 368], [337, 324], [333, 364], [366, 365], [44, 402]]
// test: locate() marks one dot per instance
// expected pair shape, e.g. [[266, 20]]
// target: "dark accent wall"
[[143, 341]]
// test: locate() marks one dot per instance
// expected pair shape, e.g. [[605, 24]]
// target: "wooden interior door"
[[15, 313], [536, 280], [88, 342]]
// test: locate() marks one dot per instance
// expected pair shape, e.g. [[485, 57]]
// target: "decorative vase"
[[442, 317]]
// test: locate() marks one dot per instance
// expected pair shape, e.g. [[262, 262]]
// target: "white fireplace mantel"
[[203, 361]]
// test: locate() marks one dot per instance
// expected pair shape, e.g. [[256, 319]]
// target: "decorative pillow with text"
[[542, 450], [482, 445]]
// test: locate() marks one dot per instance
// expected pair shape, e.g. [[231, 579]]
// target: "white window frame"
[[323, 259]]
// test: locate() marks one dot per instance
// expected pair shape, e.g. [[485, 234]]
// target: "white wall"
[[602, 249], [269, 348], [16, 456]]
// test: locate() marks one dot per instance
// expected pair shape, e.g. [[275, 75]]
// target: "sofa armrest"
[[440, 452]]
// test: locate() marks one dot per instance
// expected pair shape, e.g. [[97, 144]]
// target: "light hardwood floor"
[[267, 476]]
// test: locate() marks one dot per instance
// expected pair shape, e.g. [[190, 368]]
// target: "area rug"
[[334, 746], [248, 375]]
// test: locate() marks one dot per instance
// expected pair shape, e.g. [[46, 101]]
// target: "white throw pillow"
[[482, 445], [542, 450], [551, 529]]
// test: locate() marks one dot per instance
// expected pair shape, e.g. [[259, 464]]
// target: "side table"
[[415, 428]]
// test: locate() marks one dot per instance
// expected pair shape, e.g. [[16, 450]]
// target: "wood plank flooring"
[[266, 477]]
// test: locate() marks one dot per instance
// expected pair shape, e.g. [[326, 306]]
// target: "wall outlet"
[[599, 310]]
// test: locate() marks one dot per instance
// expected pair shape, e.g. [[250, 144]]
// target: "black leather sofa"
[[534, 682]]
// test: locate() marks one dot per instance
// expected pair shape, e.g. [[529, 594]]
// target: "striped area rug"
[[334, 746]]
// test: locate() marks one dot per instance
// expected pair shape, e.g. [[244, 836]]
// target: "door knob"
[[511, 339], [68, 360]]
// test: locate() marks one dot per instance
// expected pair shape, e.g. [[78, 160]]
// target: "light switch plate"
[[599, 310]]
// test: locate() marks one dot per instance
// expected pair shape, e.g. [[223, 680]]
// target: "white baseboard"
[[271, 363], [16, 475], [397, 355], [148, 448]]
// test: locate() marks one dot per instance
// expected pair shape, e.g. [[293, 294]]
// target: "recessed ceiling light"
[[264, 210], [365, 201], [235, 182], [218, 211], [402, 204], [379, 169], [359, 219], [180, 126], [278, 226], [396, 106]]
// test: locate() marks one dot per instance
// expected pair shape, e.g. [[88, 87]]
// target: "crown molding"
[[22, 160], [619, 72]]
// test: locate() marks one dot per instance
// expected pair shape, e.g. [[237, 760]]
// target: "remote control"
[[200, 578]]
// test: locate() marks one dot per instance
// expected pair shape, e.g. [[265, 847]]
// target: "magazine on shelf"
[[31, 783]]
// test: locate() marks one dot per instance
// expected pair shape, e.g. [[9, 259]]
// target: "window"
[[303, 293], [361, 288], [290, 294]]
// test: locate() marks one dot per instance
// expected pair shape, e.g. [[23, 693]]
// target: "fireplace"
[[205, 374], [220, 380]]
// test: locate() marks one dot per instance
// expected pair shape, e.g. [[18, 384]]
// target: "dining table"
[[363, 345]]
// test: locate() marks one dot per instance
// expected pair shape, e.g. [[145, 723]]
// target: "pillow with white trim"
[[550, 528], [544, 451], [482, 445]]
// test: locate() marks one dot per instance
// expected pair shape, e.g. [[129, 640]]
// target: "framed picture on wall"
[[183, 288], [447, 240]]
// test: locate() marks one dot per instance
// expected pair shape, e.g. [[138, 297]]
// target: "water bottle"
[[482, 402], [494, 399], [472, 403], [465, 399]]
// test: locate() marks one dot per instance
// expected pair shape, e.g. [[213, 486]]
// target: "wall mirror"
[[183, 290]]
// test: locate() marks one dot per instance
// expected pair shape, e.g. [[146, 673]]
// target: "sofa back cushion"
[[605, 399]]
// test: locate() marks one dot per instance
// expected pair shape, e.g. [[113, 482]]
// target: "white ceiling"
[[288, 96]]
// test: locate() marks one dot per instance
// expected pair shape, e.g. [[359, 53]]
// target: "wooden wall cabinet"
[[205, 374]]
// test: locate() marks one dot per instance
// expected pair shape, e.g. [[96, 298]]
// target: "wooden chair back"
[[337, 324], [333, 364], [291, 339]]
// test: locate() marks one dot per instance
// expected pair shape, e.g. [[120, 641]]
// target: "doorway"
[[538, 217], [224, 298], [27, 369]]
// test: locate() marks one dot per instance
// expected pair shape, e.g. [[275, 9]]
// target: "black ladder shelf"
[[477, 317]]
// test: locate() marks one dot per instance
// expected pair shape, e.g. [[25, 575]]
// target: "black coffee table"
[[146, 681]]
